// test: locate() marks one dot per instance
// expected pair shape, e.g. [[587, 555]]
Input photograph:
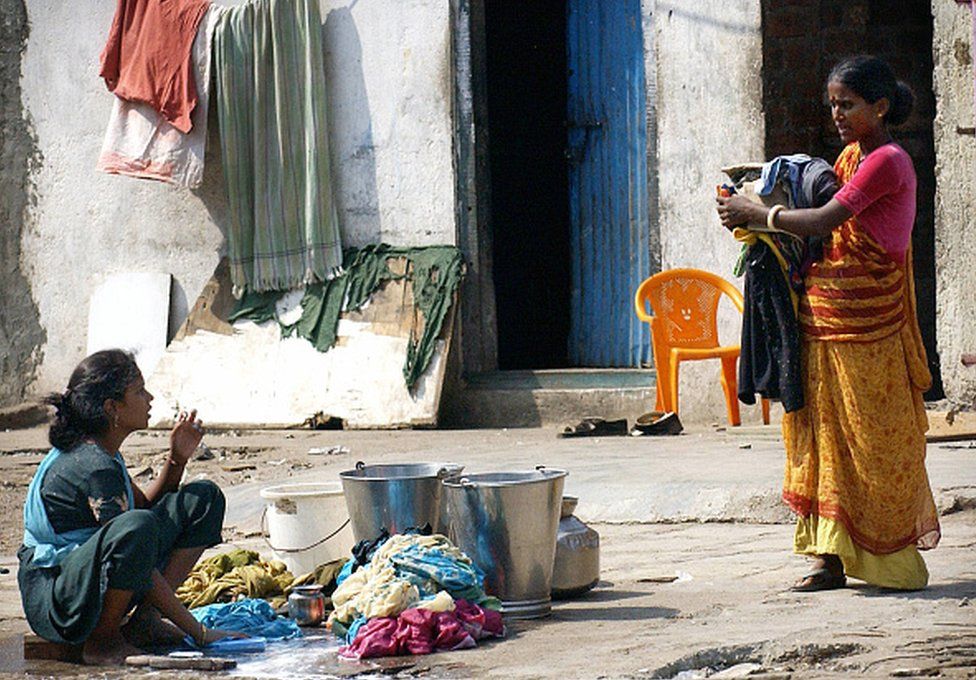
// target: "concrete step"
[[549, 397]]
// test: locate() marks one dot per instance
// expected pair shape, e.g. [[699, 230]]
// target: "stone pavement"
[[695, 556]]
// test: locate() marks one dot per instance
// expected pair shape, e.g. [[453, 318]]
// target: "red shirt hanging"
[[147, 56]]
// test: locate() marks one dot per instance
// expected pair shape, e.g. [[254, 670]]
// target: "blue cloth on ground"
[[424, 567], [49, 546], [248, 645], [354, 627], [252, 617], [346, 572]]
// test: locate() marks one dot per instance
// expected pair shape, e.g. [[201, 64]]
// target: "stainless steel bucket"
[[507, 522], [394, 497]]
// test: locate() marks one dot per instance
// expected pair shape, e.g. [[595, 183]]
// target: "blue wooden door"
[[607, 154]]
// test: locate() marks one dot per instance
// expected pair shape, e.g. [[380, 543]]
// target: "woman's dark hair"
[[81, 408], [872, 78]]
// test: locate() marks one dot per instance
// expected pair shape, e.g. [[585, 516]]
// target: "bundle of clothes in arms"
[[774, 265], [411, 593]]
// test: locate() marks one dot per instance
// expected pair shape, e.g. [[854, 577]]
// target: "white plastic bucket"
[[307, 524]]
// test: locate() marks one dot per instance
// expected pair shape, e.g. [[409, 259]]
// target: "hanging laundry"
[[270, 80], [140, 142], [147, 56], [255, 618], [435, 273]]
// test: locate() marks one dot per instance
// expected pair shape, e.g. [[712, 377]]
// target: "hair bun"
[[902, 104], [57, 400]]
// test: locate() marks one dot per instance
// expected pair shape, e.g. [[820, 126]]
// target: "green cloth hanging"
[[270, 89], [434, 272]]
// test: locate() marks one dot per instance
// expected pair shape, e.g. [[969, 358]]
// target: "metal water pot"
[[306, 605], [577, 565]]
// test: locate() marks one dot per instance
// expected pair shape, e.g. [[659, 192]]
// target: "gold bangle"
[[203, 635], [771, 217]]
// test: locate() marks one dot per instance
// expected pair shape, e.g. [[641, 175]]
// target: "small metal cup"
[[306, 605]]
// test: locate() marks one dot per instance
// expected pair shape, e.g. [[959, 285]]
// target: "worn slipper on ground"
[[595, 427], [658, 423], [819, 579]]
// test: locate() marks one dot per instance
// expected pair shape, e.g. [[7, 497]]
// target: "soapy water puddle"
[[313, 657]]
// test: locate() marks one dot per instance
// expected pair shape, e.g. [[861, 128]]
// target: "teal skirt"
[[63, 603]]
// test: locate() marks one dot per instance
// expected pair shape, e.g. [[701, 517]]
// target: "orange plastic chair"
[[684, 327]]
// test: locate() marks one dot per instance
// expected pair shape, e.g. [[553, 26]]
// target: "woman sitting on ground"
[[95, 545], [855, 453]]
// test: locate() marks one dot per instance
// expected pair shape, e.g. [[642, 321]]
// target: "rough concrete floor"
[[664, 509]]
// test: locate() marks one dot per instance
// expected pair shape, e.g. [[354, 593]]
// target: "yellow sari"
[[855, 454]]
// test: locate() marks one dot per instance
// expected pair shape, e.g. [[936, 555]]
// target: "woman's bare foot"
[[107, 651], [146, 628]]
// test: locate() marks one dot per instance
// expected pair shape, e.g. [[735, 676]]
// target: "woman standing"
[[95, 545], [855, 454]]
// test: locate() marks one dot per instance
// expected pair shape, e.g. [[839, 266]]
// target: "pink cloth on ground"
[[480, 622], [882, 196], [377, 637], [421, 631]]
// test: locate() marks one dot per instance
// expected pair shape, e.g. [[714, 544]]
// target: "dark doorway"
[[526, 91], [801, 43]]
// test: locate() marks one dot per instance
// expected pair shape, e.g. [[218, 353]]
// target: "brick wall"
[[802, 40]]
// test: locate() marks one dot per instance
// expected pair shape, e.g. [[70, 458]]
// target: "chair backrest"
[[685, 306]]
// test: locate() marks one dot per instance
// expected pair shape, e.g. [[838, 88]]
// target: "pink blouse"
[[882, 195]]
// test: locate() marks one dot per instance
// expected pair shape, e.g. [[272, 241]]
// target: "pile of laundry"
[[411, 594], [238, 574], [403, 594]]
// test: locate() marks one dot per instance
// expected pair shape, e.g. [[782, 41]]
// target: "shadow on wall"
[[21, 333], [213, 194], [350, 123]]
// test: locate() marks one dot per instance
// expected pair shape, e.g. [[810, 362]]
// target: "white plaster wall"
[[387, 63], [709, 87], [955, 199]]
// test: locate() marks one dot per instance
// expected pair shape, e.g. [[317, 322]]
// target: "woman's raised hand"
[[185, 437]]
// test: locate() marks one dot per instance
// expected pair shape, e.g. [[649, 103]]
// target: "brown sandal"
[[819, 579]]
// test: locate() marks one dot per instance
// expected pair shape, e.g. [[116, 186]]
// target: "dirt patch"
[[763, 657]]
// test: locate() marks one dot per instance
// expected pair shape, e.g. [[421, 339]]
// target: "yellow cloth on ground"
[[442, 602], [230, 575], [374, 590], [903, 569]]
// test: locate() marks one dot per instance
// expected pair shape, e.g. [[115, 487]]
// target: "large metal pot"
[[506, 522], [394, 497], [577, 566]]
